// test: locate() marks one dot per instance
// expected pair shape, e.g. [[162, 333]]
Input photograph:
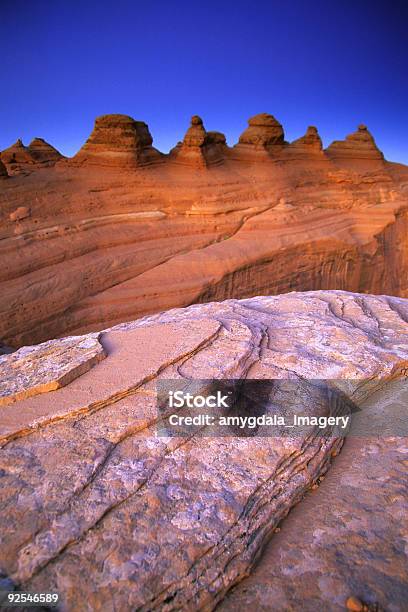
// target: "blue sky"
[[325, 63]]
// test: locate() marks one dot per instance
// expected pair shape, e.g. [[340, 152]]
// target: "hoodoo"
[[264, 134], [359, 145], [20, 159], [118, 140], [17, 158], [308, 146], [43, 153], [199, 147]]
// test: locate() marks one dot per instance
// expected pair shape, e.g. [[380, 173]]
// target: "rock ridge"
[[111, 235], [19, 159], [121, 141]]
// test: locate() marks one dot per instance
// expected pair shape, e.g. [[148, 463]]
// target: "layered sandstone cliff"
[[120, 230], [118, 140], [99, 508]]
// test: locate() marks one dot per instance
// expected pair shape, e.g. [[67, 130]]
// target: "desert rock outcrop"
[[118, 140], [17, 158], [20, 159], [43, 152], [125, 519], [199, 147], [359, 145], [306, 146], [110, 237], [263, 134]]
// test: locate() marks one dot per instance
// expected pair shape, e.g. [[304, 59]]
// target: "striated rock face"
[[263, 134], [20, 159], [358, 146], [118, 140], [44, 153], [305, 147], [17, 153], [88, 244], [263, 131], [199, 147], [124, 519]]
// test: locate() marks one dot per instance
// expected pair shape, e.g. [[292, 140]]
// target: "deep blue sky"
[[330, 63]]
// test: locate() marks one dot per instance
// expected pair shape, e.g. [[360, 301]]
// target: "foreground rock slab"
[[97, 507], [348, 536], [46, 367]]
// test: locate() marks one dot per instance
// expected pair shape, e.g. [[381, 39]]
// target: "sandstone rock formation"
[[109, 238], [43, 152], [263, 131], [306, 146], [359, 145], [20, 159], [56, 364], [17, 157], [97, 507], [199, 147], [118, 140], [263, 134]]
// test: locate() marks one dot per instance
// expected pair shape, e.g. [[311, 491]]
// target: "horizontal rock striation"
[[359, 145], [108, 236], [44, 153], [17, 158], [306, 147], [97, 507], [264, 135], [118, 140], [20, 159]]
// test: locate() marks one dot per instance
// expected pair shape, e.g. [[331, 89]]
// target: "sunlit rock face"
[[43, 152], [358, 146], [118, 140], [20, 159], [121, 230], [306, 147], [199, 148]]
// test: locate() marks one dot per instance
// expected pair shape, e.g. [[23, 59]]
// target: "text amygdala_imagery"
[[245, 407]]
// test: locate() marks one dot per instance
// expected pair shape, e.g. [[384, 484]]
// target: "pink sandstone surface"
[[97, 507]]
